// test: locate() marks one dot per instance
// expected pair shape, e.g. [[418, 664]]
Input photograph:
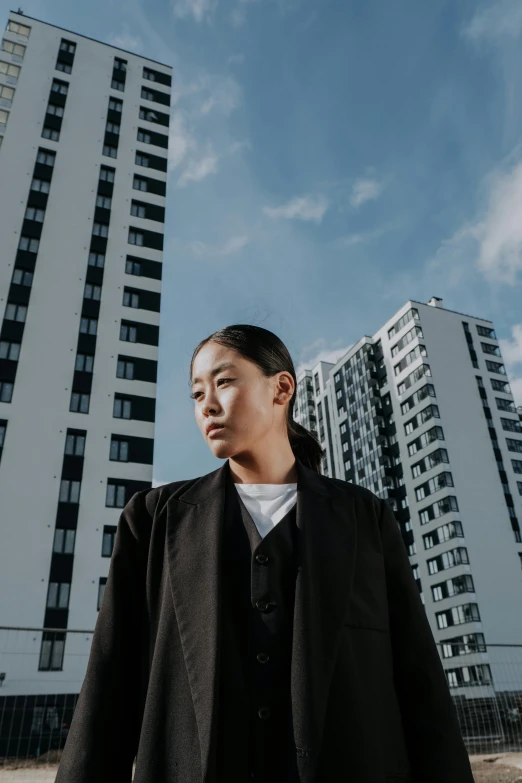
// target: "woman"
[[261, 622]]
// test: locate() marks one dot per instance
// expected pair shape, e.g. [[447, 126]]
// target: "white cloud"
[[198, 169], [230, 247], [181, 141], [225, 95], [238, 15], [199, 9], [365, 189], [318, 351], [501, 19], [125, 40], [300, 208]]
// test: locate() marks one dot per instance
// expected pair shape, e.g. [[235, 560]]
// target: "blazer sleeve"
[[103, 737], [436, 750]]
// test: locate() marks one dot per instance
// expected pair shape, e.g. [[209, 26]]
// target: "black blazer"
[[369, 695]]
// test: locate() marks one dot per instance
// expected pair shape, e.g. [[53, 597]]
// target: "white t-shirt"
[[267, 503]]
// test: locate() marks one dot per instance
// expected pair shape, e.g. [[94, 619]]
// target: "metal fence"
[[41, 674]]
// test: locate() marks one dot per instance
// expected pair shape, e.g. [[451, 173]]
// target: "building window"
[[84, 362], [110, 151], [116, 85], [131, 299], [65, 67], [122, 408], [107, 174], [60, 87], [511, 425], [51, 655], [132, 267], [92, 292], [29, 244], [79, 403], [142, 160], [11, 351], [32, 213], [139, 184], [128, 333], [148, 95], [119, 64], [6, 96], [10, 71], [136, 237], [148, 74], [97, 259], [115, 496], [514, 445], [17, 51], [137, 210], [41, 185], [104, 202], [125, 370], [115, 104], [496, 367], [56, 111], [19, 29], [75, 444], [100, 230], [67, 46], [88, 325], [517, 464], [112, 127], [119, 450], [69, 491], [109, 534], [4, 116], [101, 591], [146, 138], [6, 391], [64, 541], [50, 133], [58, 595], [148, 114], [46, 157]]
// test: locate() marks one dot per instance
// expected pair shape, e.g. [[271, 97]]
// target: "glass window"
[[142, 160], [4, 116], [100, 230], [115, 496], [79, 403], [112, 127], [96, 259], [139, 184], [119, 64], [17, 51], [104, 202], [19, 29], [32, 213], [115, 104], [137, 210], [147, 94], [46, 157], [148, 74], [136, 238], [10, 71], [65, 67], [116, 85], [122, 408], [30, 244], [106, 174], [60, 87], [56, 111], [50, 133], [41, 185], [6, 95], [128, 333], [110, 151], [144, 137], [67, 46]]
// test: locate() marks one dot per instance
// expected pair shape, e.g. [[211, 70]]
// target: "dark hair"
[[271, 356]]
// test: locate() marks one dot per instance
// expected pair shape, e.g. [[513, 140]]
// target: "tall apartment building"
[[83, 173], [422, 414]]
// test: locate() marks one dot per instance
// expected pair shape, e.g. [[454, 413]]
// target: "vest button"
[[264, 713], [263, 657], [261, 558], [262, 606]]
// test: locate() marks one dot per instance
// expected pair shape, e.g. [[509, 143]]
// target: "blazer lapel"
[[327, 539]]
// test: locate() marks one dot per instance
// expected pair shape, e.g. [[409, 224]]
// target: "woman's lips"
[[215, 430]]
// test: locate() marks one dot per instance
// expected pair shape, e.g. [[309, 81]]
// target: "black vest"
[[254, 732]]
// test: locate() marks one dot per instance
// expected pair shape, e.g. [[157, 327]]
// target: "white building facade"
[[422, 414], [83, 172]]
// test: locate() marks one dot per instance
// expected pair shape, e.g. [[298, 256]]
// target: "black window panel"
[[119, 75], [161, 118], [140, 449], [114, 116], [72, 466], [86, 343], [67, 515], [147, 334], [144, 369], [158, 97], [42, 171], [98, 245], [8, 367], [152, 269], [155, 162], [19, 294], [102, 215], [82, 382], [52, 121], [152, 212], [61, 567], [90, 308], [105, 188], [143, 408], [65, 57], [12, 331], [159, 139], [149, 300], [25, 260], [94, 274], [32, 228], [134, 486], [58, 99], [111, 139], [153, 239], [155, 186], [161, 78], [56, 618], [36, 199]]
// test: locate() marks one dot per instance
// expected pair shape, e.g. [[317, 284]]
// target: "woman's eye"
[[195, 395]]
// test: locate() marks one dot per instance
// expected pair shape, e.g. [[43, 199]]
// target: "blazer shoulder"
[[155, 498], [360, 494]]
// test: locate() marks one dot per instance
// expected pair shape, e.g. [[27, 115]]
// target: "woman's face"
[[241, 398]]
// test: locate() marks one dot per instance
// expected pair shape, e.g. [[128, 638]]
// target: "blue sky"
[[329, 160]]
